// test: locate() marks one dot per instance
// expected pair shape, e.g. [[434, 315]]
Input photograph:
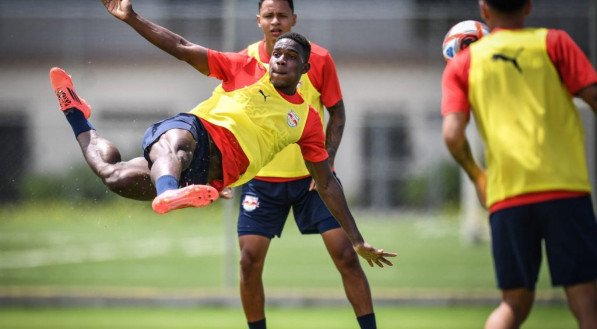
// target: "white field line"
[[108, 251]]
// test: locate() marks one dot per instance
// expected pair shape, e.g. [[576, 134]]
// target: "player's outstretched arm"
[[332, 195], [159, 36]]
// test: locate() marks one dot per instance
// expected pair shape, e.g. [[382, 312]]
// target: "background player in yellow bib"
[[285, 183], [519, 83]]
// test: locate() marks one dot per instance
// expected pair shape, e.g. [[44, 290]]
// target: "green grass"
[[279, 318], [115, 244], [124, 244], [122, 248]]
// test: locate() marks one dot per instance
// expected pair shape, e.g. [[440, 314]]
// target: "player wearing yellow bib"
[[225, 140], [519, 83], [285, 183]]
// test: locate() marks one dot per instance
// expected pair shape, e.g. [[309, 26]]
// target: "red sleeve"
[[312, 141], [455, 84], [236, 70], [225, 66], [574, 67], [324, 77]]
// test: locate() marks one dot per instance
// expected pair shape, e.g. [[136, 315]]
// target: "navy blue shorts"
[[567, 227], [199, 167], [265, 206]]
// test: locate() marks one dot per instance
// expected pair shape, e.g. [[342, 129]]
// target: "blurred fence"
[[387, 53]]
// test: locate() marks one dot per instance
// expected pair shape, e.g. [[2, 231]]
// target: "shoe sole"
[[190, 196]]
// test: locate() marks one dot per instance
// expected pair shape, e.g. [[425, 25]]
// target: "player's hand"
[[120, 9], [373, 255], [313, 185], [226, 193]]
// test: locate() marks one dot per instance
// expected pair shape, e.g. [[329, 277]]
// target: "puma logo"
[[512, 60], [264, 95]]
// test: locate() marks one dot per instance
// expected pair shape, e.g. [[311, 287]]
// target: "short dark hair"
[[290, 3], [301, 40], [506, 6]]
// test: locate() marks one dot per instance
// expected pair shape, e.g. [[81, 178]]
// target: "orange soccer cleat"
[[189, 196], [67, 97]]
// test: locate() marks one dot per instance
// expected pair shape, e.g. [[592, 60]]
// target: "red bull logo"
[[250, 202], [292, 118]]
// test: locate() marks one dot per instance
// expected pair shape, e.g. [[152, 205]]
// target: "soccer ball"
[[461, 35]]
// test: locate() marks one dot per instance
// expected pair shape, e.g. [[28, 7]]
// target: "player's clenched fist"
[[120, 9]]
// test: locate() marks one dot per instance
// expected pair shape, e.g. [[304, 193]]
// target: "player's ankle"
[[77, 121], [257, 324], [165, 183], [367, 321]]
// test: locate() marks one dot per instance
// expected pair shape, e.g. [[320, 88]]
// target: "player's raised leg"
[[170, 155], [129, 179], [354, 279]]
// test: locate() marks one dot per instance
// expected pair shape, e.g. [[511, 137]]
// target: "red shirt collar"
[[263, 55], [294, 99]]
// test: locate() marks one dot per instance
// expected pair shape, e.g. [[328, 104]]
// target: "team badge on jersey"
[[292, 118], [250, 203]]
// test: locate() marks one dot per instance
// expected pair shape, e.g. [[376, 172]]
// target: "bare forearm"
[[461, 152], [454, 126], [162, 38], [332, 195], [335, 129], [169, 42]]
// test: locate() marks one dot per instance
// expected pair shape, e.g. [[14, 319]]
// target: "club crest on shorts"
[[292, 118], [250, 203]]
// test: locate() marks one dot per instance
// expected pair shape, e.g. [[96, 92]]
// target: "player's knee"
[[520, 303], [346, 258], [121, 176], [174, 145], [112, 178], [250, 263]]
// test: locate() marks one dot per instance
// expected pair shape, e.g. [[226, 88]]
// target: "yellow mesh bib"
[[289, 162], [531, 128], [262, 121]]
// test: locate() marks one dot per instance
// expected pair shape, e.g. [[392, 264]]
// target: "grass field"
[[121, 249], [280, 318]]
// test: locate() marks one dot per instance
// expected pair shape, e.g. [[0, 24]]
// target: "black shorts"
[[265, 206], [569, 230], [198, 171]]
